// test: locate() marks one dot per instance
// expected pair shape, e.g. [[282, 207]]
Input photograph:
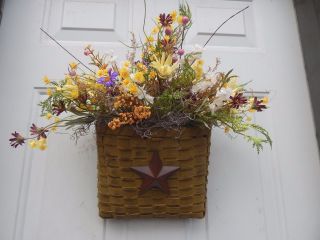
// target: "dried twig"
[[53, 39], [223, 24]]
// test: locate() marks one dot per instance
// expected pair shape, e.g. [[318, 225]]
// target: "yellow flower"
[[166, 38], [164, 65], [124, 72], [200, 62], [126, 81], [138, 77], [46, 80], [126, 64], [42, 144], [142, 67], [174, 15], [150, 39], [49, 92], [56, 119], [152, 74], [198, 68], [70, 90], [48, 116], [155, 30], [67, 77], [249, 119], [32, 144], [133, 88], [73, 65], [102, 72], [151, 48], [199, 72], [265, 100], [53, 128], [99, 87], [179, 19]]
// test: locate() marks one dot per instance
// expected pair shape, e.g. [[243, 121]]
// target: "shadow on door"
[[308, 17]]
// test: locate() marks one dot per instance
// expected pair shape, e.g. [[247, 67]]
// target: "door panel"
[[53, 194]]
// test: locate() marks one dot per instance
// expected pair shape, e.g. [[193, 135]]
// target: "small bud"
[[174, 59], [87, 52], [72, 73], [168, 31], [185, 20], [180, 52]]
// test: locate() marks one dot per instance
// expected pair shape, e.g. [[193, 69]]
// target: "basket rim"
[[157, 133]]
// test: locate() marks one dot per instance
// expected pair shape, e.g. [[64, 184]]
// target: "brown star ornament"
[[155, 175]]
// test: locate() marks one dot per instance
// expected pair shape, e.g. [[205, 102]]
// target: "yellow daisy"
[[138, 77], [73, 65], [46, 80], [164, 66]]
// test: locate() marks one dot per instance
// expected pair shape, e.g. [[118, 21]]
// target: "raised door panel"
[[59, 200], [87, 21]]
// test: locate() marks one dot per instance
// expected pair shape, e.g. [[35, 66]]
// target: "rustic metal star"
[[155, 175]]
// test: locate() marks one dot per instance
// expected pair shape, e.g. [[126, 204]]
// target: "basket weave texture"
[[119, 186]]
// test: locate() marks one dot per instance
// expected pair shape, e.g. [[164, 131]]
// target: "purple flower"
[[72, 73], [180, 52], [38, 131], [258, 105], [87, 52], [168, 31], [16, 140], [109, 80], [238, 100], [165, 20], [58, 107], [185, 20]]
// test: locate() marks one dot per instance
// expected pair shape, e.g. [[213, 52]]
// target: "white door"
[[52, 194]]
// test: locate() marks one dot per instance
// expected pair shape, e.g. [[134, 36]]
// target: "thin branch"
[[126, 45], [144, 18], [53, 39], [223, 24]]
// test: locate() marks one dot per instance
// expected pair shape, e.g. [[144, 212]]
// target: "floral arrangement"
[[166, 88]]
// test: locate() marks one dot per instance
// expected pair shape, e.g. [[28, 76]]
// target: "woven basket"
[[118, 185]]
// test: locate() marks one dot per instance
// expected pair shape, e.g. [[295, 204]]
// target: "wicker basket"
[[118, 185]]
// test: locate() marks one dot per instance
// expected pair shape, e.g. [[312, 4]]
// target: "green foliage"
[[236, 123], [185, 76], [257, 142], [46, 105], [85, 119], [168, 101], [227, 77]]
